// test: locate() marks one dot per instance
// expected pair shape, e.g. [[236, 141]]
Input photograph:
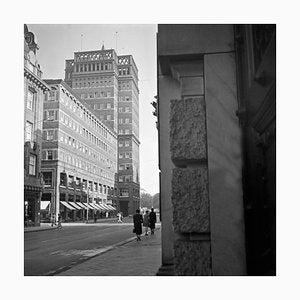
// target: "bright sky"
[[59, 42]]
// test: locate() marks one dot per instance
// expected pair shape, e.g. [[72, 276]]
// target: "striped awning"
[[67, 205], [75, 205]]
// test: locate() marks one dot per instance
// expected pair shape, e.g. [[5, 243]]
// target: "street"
[[50, 252]]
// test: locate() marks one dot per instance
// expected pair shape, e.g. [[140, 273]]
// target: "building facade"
[[34, 89], [216, 123], [79, 158], [109, 85]]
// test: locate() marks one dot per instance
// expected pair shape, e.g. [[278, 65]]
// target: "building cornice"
[[35, 79]]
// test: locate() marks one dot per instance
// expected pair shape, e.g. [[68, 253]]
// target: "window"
[[49, 154], [127, 99], [127, 131], [120, 155], [121, 167], [127, 109], [32, 164], [108, 117], [30, 97], [63, 179], [124, 192], [51, 95], [47, 177], [127, 166], [127, 144], [70, 180], [120, 144], [50, 135], [108, 105], [95, 186], [50, 115], [120, 121], [127, 120], [120, 131], [28, 131]]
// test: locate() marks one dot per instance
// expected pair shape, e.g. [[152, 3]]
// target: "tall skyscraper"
[[108, 83]]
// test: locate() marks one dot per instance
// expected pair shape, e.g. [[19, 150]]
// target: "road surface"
[[49, 252]]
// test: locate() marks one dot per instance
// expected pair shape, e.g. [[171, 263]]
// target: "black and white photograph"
[[145, 155]]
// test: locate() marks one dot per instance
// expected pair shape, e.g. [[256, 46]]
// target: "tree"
[[155, 201], [146, 200]]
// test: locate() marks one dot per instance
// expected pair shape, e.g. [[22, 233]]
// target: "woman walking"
[[146, 222], [152, 220], [137, 223]]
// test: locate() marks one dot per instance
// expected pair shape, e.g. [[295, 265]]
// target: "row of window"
[[78, 163], [125, 131], [124, 143], [101, 94], [84, 149], [125, 121], [93, 67], [124, 99], [125, 85], [125, 167], [83, 131], [76, 107], [124, 71], [125, 154], [125, 109], [101, 106], [72, 181], [125, 178]]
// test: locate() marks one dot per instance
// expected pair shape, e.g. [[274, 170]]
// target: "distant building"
[[217, 148], [79, 157], [109, 85], [34, 88]]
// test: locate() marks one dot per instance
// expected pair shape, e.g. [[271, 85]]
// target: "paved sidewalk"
[[131, 259]]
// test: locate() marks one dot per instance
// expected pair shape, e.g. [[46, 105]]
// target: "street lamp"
[[87, 207]]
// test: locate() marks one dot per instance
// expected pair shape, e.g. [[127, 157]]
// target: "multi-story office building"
[[34, 89], [79, 157], [109, 84]]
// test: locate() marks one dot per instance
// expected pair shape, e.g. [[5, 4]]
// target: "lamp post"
[[87, 207]]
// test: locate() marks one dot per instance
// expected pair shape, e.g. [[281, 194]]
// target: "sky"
[[59, 42]]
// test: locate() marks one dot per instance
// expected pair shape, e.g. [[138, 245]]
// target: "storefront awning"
[[113, 208], [81, 205], [67, 205], [88, 205], [44, 204], [107, 207], [101, 206], [75, 205], [94, 206]]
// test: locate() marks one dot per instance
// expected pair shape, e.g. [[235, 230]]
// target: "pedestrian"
[[119, 217], [152, 220], [53, 220], [146, 221], [106, 214], [137, 223], [59, 226], [95, 217]]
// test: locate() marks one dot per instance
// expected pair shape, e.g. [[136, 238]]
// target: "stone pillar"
[[190, 195]]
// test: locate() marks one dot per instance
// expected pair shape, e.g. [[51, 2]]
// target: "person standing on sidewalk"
[[137, 223], [146, 222], [152, 220]]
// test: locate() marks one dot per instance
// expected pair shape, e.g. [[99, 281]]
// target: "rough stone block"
[[192, 258], [190, 200], [188, 130]]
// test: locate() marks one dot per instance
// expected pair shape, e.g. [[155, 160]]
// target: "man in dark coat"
[[152, 220], [137, 223]]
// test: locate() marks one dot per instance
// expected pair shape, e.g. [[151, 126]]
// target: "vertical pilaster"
[[190, 195]]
